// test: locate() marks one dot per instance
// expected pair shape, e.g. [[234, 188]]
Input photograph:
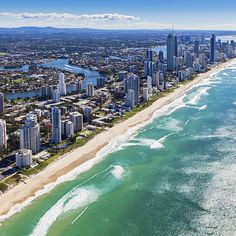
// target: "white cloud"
[[100, 21], [68, 16]]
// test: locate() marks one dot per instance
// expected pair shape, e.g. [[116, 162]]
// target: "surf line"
[[77, 217], [94, 176]]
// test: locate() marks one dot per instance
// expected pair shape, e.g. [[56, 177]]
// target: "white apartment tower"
[[77, 119], [3, 134], [62, 85], [30, 134]]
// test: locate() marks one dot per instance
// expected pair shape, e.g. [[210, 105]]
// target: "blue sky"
[[120, 14]]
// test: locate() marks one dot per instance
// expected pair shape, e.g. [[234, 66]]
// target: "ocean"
[[175, 175]]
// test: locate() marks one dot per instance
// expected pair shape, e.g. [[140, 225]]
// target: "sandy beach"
[[68, 162]]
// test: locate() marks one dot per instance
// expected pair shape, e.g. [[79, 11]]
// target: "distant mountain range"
[[52, 30]]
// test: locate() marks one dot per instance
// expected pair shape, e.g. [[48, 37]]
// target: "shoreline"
[[70, 161]]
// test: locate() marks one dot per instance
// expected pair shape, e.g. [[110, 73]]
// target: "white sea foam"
[[176, 108], [221, 132], [116, 144], [76, 198], [170, 123], [175, 105], [232, 67], [219, 201], [202, 108], [186, 123], [112, 146], [199, 93], [153, 143], [118, 171]]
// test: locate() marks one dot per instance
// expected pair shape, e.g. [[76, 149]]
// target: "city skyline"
[[120, 15]]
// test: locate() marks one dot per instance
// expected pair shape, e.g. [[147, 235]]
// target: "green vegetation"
[[3, 187], [29, 171], [81, 139], [14, 179], [57, 153], [141, 106]]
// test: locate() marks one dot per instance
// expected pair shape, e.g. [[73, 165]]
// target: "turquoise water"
[[175, 176]]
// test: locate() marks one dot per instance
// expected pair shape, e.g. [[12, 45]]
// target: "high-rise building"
[[149, 68], [133, 83], [62, 85], [23, 158], [196, 47], [155, 78], [149, 55], [63, 128], [161, 56], [77, 119], [1, 102], [219, 45], [232, 43], [90, 90], [56, 125], [88, 113], [79, 85], [145, 94], [149, 84], [3, 134], [122, 75], [176, 46], [188, 59], [30, 134], [56, 95], [101, 81], [130, 98], [69, 129], [170, 52], [213, 49]]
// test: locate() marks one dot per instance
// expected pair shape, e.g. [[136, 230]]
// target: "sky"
[[120, 14]]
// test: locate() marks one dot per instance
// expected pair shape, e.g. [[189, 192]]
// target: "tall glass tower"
[[213, 49], [56, 125], [170, 52]]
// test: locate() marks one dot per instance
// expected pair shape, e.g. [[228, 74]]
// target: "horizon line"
[[107, 29]]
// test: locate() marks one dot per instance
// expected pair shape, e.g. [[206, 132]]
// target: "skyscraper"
[[56, 125], [188, 59], [24, 158], [56, 95], [88, 113], [69, 129], [232, 43], [176, 46], [149, 65], [149, 84], [30, 134], [133, 83], [149, 55], [149, 68], [3, 134], [62, 85], [196, 47], [90, 90], [77, 119], [170, 52], [213, 49], [1, 102], [130, 98], [161, 56]]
